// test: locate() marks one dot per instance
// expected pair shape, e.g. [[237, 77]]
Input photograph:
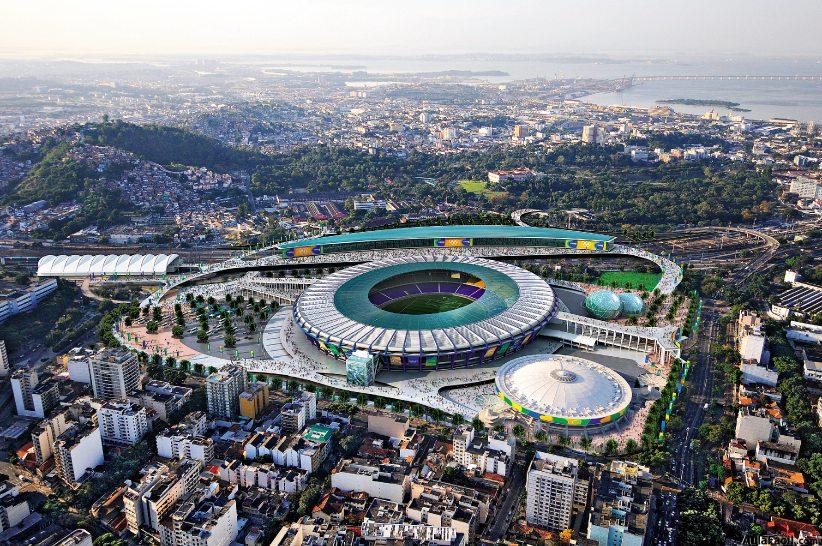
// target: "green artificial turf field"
[[426, 304], [638, 280]]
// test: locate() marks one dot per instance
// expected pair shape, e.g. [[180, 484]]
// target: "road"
[[504, 514], [701, 393]]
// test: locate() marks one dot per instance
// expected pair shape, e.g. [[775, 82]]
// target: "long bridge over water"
[[753, 77]]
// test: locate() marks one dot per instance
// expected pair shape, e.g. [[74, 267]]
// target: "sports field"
[[637, 280], [479, 187], [426, 304]]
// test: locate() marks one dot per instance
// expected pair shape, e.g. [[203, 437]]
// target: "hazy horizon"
[[628, 29]]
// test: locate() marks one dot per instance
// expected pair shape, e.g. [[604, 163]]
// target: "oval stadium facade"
[[423, 313]]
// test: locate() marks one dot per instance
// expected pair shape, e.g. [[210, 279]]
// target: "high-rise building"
[[593, 134], [550, 488], [211, 522], [806, 188], [31, 397], [14, 508], [78, 450], [4, 360], [45, 433], [223, 390], [186, 440], [148, 501], [622, 502], [254, 399], [121, 422], [295, 414], [520, 131], [115, 373]]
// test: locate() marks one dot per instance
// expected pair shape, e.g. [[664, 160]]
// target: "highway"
[[700, 393]]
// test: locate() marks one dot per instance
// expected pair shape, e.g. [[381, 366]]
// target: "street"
[[504, 514]]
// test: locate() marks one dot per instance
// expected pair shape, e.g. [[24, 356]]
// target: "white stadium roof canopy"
[[106, 264]]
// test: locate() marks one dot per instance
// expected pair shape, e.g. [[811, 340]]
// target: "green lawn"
[[479, 187], [426, 304], [648, 281]]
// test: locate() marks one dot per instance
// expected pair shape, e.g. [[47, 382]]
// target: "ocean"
[[800, 100]]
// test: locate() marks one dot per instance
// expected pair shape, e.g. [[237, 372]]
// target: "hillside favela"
[[410, 273]]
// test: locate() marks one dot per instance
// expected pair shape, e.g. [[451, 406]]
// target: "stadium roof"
[[522, 303], [106, 264], [563, 389], [434, 232], [351, 299]]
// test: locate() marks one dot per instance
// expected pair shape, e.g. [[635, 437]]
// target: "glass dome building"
[[603, 304], [632, 305]]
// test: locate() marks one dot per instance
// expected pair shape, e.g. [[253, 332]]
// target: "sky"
[[638, 28]]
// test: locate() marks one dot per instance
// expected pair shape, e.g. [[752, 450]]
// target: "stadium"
[[418, 313], [564, 391], [465, 236]]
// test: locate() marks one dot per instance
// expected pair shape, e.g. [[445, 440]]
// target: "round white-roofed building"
[[564, 391]]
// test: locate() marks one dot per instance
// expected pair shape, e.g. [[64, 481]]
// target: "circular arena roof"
[[337, 310], [563, 390]]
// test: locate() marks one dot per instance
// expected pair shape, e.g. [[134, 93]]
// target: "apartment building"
[[13, 507], [621, 506], [5, 367], [492, 455], [298, 412], [210, 522], [550, 488], [186, 440], [33, 398], [122, 423], [384, 481], [115, 374], [46, 433], [254, 399], [78, 450], [148, 501], [223, 389], [162, 397]]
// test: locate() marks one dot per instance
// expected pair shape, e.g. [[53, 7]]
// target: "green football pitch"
[[426, 304], [633, 279]]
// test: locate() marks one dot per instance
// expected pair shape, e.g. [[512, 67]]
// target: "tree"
[[611, 447], [157, 314], [477, 423], [151, 327], [202, 336], [230, 341], [519, 431], [177, 331], [541, 436], [457, 419], [631, 446], [735, 493], [585, 443]]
